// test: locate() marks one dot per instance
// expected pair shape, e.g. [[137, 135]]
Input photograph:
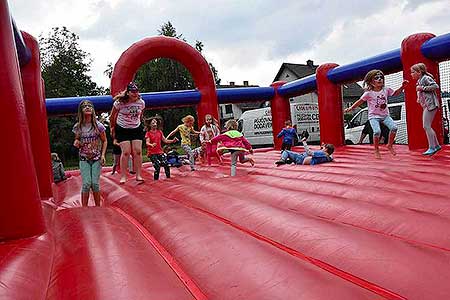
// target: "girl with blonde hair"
[[427, 89]]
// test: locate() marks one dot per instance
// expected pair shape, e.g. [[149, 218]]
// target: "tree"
[[64, 70], [163, 74]]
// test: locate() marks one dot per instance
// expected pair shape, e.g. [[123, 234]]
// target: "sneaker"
[[280, 162], [429, 152], [438, 147]]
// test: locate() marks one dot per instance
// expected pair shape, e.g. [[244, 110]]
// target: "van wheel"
[[349, 142]]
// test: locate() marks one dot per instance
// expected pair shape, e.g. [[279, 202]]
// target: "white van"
[[398, 113], [256, 124]]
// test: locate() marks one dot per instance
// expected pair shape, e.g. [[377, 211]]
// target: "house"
[[290, 72]]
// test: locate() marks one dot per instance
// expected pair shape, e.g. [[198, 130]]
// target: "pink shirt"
[[129, 114], [377, 102]]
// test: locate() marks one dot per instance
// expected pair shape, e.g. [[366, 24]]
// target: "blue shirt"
[[320, 157], [288, 135]]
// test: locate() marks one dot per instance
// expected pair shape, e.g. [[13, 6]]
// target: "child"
[[90, 139], [58, 169], [288, 133], [153, 139], [172, 157], [185, 130], [236, 143], [207, 133], [376, 96], [126, 127], [426, 96], [308, 157]]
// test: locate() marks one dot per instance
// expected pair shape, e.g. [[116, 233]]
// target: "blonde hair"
[[81, 115], [231, 125], [421, 68], [367, 84], [188, 118]]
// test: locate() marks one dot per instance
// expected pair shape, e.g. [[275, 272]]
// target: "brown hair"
[[159, 122], [288, 122], [329, 148], [367, 84], [214, 121], [421, 68]]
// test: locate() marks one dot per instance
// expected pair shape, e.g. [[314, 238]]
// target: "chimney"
[[231, 83], [310, 63], [245, 82]]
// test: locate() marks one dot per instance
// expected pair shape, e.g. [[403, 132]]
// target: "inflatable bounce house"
[[356, 228]]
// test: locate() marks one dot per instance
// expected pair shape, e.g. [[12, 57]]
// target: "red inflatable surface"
[[357, 228]]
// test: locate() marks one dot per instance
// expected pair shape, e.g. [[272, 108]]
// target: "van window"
[[360, 119], [228, 109], [395, 112]]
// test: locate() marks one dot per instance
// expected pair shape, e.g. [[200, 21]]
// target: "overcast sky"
[[244, 40]]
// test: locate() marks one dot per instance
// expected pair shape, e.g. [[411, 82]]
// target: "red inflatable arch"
[[154, 47]]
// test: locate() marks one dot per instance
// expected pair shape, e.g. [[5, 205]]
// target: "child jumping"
[[426, 96], [90, 139], [185, 130], [288, 133], [376, 96], [236, 143], [153, 139], [207, 133]]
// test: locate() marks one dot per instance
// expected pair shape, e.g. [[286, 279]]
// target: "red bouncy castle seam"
[[170, 260], [329, 268]]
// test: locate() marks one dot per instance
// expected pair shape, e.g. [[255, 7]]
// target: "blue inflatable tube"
[[69, 105], [299, 87], [236, 95], [437, 48]]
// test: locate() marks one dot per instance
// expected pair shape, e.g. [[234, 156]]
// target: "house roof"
[[350, 89]]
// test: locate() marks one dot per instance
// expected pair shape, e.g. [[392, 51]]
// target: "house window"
[[228, 109]]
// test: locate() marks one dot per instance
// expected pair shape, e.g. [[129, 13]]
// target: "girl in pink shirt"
[[153, 139], [376, 96], [236, 143]]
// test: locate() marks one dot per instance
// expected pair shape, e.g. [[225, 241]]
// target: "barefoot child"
[[376, 96], [90, 139]]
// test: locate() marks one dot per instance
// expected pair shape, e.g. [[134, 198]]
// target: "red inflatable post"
[[410, 55], [155, 47], [280, 113], [331, 118], [37, 117], [20, 206]]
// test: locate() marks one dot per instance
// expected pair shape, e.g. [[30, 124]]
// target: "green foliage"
[[64, 70]]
